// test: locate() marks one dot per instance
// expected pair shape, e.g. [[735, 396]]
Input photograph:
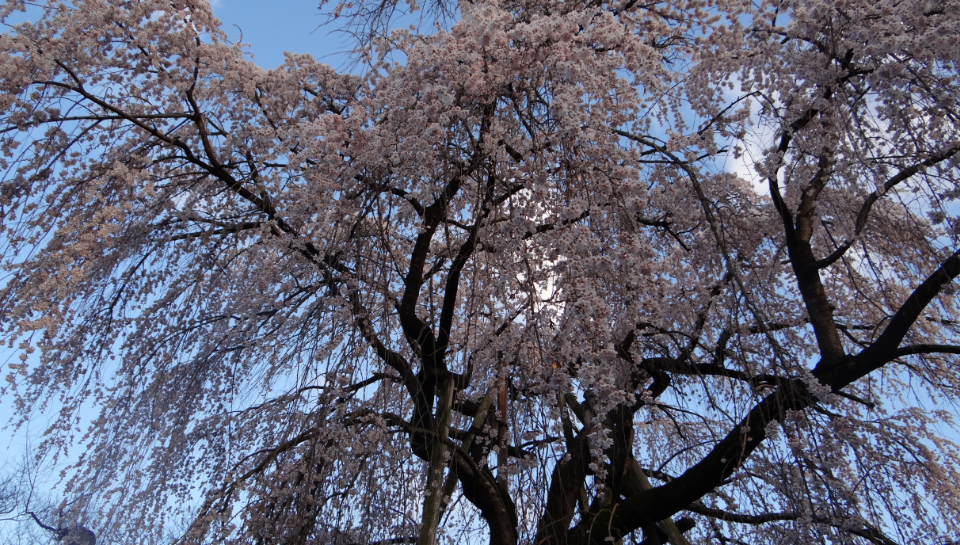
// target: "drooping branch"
[[732, 266], [868, 203], [791, 395]]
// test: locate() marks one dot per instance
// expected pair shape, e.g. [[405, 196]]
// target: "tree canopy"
[[505, 284]]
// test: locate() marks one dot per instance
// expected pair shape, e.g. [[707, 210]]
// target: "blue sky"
[[282, 25]]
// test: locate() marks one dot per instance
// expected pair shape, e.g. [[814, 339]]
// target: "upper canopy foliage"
[[508, 285]]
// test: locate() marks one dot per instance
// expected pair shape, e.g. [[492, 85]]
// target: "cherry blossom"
[[498, 287]]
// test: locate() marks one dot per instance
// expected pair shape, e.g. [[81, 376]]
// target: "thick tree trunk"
[[433, 502]]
